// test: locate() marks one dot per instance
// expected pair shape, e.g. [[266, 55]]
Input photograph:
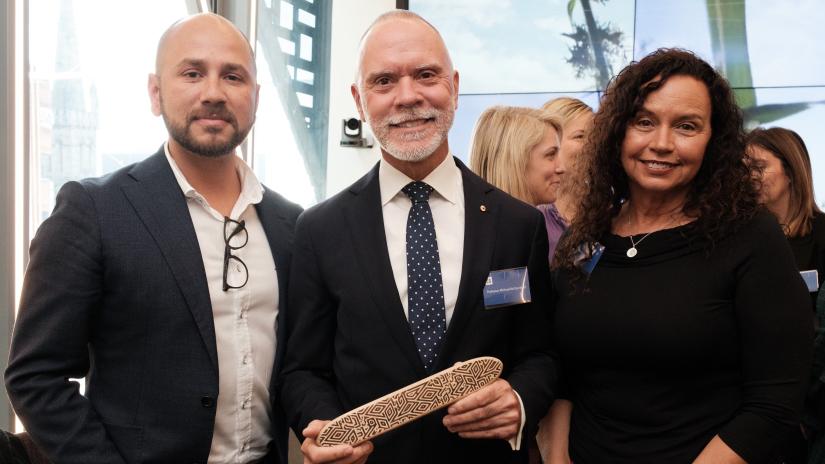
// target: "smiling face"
[[665, 142], [205, 86], [544, 169], [407, 89]]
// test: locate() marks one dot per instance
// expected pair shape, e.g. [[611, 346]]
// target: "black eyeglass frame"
[[228, 247]]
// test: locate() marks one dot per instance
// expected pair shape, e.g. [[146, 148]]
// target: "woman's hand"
[[554, 432], [717, 452]]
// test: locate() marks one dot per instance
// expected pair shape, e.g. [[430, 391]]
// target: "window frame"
[[13, 96]]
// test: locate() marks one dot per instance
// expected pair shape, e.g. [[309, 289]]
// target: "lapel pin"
[[482, 208]]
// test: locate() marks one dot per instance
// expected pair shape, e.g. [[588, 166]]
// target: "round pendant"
[[631, 252]]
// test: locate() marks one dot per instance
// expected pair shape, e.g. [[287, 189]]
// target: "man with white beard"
[[388, 276]]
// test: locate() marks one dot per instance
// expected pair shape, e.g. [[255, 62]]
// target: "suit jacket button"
[[207, 401]]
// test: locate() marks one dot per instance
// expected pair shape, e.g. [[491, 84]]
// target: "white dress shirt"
[[447, 205], [244, 319]]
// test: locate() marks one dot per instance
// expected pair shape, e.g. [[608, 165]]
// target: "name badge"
[[811, 279], [507, 287], [587, 256]]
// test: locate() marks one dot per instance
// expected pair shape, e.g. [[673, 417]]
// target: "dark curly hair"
[[722, 196]]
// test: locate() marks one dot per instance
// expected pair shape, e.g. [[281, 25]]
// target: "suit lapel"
[[161, 206], [279, 236], [480, 218], [366, 223]]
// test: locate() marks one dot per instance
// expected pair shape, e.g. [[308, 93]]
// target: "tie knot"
[[418, 191]]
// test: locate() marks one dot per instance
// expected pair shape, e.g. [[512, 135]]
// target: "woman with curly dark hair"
[[681, 322]]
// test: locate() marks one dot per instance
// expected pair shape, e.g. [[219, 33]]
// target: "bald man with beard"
[[163, 284]]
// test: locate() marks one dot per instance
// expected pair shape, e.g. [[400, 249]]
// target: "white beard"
[[412, 147]]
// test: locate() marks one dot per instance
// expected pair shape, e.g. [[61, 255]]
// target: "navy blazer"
[[115, 291], [349, 341]]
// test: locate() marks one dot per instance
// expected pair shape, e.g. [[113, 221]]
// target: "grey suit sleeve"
[[61, 292], [308, 391]]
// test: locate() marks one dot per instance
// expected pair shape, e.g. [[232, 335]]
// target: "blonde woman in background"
[[517, 150], [576, 118]]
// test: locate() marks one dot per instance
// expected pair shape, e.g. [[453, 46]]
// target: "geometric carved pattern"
[[411, 402]]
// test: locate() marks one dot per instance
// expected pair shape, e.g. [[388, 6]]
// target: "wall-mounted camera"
[[353, 134]]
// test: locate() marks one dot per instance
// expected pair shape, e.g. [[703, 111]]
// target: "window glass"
[[89, 107], [290, 137], [533, 45], [522, 53], [277, 159], [749, 41]]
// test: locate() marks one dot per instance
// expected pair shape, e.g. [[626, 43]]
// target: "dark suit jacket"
[[349, 341], [115, 291]]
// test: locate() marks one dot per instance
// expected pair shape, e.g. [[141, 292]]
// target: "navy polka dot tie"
[[425, 293]]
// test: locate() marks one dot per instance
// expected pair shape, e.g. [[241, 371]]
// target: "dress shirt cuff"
[[515, 442]]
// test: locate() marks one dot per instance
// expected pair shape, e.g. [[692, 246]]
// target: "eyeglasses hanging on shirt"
[[235, 237]]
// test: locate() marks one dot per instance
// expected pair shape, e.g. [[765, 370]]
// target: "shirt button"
[[207, 401], [246, 359], [245, 405]]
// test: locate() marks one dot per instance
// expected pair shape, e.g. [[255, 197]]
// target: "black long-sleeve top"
[[809, 250], [664, 350]]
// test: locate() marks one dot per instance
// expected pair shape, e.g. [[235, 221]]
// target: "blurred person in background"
[[815, 402], [788, 192], [518, 150], [576, 119]]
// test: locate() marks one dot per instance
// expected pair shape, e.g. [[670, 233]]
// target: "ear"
[[153, 85], [455, 90], [357, 97], [257, 96]]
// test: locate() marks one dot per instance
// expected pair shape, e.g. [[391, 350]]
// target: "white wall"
[[350, 18]]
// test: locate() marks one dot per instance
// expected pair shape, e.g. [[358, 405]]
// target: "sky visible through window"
[[522, 52], [89, 64]]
